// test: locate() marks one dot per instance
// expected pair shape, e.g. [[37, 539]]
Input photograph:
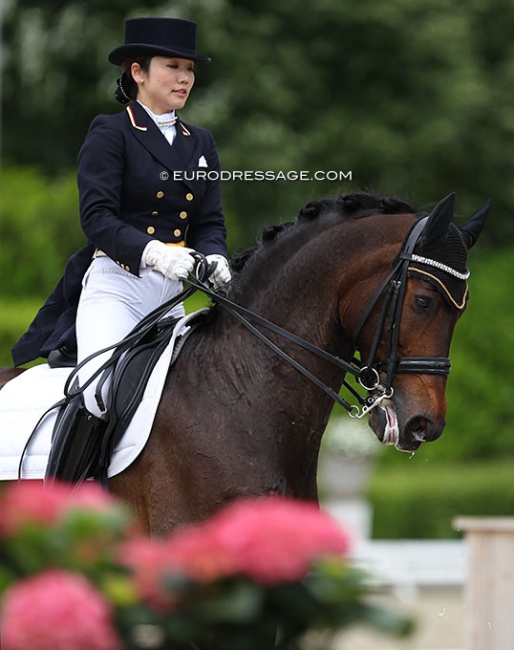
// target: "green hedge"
[[420, 499], [15, 317], [39, 230]]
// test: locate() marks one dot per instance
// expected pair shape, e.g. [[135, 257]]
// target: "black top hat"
[[172, 37]]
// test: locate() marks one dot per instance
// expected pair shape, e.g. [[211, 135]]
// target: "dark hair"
[[126, 88]]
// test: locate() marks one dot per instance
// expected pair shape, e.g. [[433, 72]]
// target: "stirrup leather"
[[76, 442]]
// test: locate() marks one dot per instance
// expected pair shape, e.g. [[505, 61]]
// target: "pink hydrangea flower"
[[270, 540], [148, 560], [35, 502], [274, 540], [189, 553], [56, 610], [200, 555]]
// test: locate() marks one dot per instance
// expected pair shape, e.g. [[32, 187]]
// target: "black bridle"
[[393, 291], [368, 374]]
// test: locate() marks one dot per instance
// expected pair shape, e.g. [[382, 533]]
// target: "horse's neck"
[[267, 414], [302, 297], [313, 288], [301, 291]]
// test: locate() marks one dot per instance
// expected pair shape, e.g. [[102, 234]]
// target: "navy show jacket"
[[133, 187]]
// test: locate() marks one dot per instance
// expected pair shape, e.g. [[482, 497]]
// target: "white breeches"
[[112, 302]]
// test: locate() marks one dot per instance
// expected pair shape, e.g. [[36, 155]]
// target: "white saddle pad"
[[25, 399]]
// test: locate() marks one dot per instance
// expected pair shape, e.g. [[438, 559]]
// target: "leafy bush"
[[15, 317], [72, 557], [39, 230], [420, 499], [480, 406]]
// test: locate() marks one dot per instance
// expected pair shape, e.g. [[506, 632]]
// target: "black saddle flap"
[[134, 369]]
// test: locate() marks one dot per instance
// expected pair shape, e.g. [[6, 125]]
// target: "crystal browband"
[[441, 266]]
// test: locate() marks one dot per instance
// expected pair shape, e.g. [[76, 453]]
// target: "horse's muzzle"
[[408, 436]]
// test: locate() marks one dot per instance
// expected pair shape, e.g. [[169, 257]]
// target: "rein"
[[368, 374], [245, 317]]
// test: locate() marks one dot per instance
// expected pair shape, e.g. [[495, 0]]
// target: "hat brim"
[[119, 54]]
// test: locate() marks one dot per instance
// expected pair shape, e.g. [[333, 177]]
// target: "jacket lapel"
[[178, 156]]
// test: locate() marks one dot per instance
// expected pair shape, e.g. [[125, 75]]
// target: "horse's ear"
[[438, 222], [473, 227]]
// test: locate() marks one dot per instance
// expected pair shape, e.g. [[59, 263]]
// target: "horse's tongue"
[[391, 433]]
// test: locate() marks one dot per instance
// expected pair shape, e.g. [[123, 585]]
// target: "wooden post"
[[489, 589]]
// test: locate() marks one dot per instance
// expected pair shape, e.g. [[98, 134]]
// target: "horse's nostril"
[[423, 429], [422, 423], [418, 428]]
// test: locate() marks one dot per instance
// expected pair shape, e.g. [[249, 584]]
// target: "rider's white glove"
[[221, 274], [175, 262]]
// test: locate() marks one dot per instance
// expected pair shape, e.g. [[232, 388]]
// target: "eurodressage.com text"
[[259, 175]]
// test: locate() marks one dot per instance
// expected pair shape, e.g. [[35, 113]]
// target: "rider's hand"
[[221, 273], [175, 262]]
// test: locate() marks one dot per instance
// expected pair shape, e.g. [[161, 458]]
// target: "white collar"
[[164, 121]]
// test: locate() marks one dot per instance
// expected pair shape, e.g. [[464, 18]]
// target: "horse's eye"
[[422, 302]]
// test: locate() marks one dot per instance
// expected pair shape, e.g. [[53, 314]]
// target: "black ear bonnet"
[[444, 264]]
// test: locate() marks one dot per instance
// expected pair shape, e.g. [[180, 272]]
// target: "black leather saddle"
[[82, 444]]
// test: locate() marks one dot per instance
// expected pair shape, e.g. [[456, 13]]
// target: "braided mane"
[[345, 206]]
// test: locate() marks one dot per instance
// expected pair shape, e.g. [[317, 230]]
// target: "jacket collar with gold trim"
[[179, 156]]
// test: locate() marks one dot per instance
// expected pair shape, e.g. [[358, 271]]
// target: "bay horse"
[[356, 273]]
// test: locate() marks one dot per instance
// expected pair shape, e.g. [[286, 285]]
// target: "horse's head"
[[404, 334]]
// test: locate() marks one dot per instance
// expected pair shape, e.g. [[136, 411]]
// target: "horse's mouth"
[[384, 422]]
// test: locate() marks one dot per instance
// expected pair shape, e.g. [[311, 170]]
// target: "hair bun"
[[120, 93]]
